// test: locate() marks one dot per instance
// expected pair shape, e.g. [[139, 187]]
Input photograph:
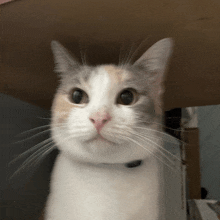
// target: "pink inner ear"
[[4, 1], [157, 91]]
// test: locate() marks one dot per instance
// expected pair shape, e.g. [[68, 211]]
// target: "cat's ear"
[[62, 58], [155, 59], [154, 62]]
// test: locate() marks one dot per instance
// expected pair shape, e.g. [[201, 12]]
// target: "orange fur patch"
[[117, 75], [61, 108]]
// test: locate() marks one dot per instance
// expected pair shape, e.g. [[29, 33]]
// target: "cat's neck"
[[122, 192]]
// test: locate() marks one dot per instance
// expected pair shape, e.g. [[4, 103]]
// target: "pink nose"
[[99, 120]]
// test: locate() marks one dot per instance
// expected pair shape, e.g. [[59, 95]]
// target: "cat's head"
[[108, 113]]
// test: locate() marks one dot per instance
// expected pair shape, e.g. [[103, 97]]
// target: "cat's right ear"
[[64, 62]]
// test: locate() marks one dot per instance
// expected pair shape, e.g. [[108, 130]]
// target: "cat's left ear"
[[155, 59], [64, 61], [154, 62]]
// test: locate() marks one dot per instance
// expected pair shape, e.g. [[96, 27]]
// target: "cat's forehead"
[[117, 74], [120, 77], [110, 76]]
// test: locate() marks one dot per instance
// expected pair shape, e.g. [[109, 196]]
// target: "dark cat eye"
[[78, 96], [126, 97]]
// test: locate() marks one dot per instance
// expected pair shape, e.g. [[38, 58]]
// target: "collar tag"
[[133, 164]]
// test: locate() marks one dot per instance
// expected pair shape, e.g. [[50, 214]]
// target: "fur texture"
[[99, 136]]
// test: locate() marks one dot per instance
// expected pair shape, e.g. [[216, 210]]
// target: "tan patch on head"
[[116, 74], [61, 108]]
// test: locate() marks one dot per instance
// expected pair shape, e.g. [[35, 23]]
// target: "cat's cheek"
[[78, 123], [125, 116], [59, 118], [61, 108], [58, 135]]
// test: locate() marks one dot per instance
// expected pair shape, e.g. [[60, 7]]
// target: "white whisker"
[[36, 154], [160, 132], [141, 137], [28, 161], [135, 52], [45, 153], [44, 118], [41, 151], [165, 139], [83, 57], [31, 149], [42, 132], [34, 129], [161, 148], [33, 136], [39, 145], [150, 152], [120, 56], [124, 62], [173, 139]]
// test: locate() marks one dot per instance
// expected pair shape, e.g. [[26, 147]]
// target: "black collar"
[[133, 164]]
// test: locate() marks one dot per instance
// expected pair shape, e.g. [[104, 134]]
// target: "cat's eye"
[[127, 97], [78, 96]]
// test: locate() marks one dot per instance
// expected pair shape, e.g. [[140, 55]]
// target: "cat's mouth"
[[100, 138]]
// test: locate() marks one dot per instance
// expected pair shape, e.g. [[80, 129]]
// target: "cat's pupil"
[[77, 96], [126, 97]]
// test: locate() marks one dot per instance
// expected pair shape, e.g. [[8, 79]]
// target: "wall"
[[209, 127]]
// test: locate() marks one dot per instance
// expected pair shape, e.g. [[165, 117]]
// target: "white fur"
[[81, 191]]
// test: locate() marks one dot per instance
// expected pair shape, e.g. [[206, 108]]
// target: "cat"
[[107, 124]]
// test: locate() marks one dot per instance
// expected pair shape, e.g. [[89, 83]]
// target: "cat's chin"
[[96, 148]]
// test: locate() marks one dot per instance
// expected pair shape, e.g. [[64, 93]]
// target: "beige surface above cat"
[[28, 26]]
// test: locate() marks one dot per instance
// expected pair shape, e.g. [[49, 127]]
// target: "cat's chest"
[[91, 192], [100, 180]]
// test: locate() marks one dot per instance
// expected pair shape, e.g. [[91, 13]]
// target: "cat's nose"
[[99, 120]]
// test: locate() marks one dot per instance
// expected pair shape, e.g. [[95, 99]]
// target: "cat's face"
[[109, 114]]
